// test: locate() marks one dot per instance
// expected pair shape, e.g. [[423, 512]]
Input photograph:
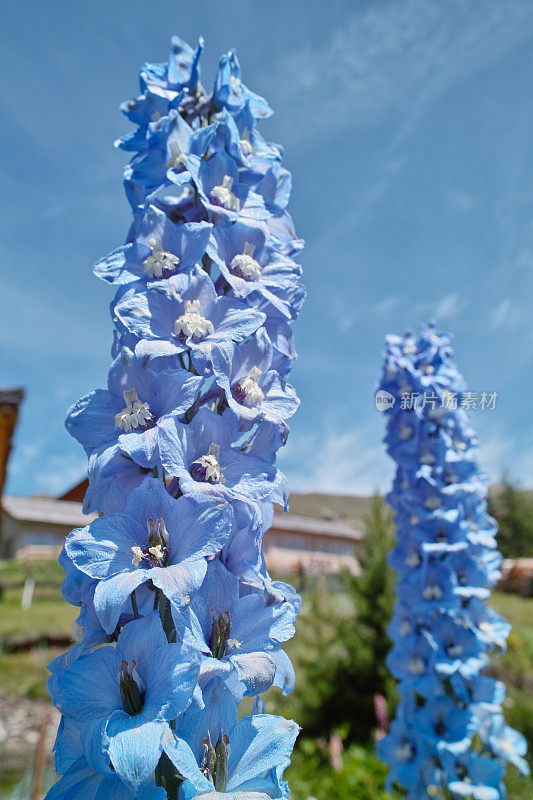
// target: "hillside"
[[350, 509]]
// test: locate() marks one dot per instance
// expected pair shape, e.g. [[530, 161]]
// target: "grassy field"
[[23, 675]]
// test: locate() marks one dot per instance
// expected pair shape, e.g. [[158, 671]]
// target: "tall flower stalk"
[[449, 738], [180, 619]]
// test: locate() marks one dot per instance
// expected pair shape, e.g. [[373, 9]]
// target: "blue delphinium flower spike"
[[449, 737], [179, 618]]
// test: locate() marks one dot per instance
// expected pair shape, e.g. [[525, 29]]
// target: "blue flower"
[[130, 410], [238, 637], [252, 389], [473, 776], [406, 752], [182, 448], [444, 726], [112, 476], [208, 464], [185, 313], [161, 249], [247, 759], [157, 539], [222, 134], [230, 92], [125, 696], [82, 782], [506, 743], [221, 190], [446, 560], [255, 271]]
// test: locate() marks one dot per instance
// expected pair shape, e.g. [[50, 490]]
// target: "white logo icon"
[[384, 400]]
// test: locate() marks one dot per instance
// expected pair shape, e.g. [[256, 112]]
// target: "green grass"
[[47, 613], [9, 779], [23, 674], [45, 570]]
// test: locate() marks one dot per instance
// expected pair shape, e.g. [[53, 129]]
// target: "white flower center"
[[225, 196], [406, 432], [244, 264], [135, 415], [409, 348], [253, 394], [455, 650], [153, 553], [246, 146], [157, 552], [405, 628], [176, 157], [412, 559], [506, 745], [483, 792], [192, 323], [432, 592], [432, 503], [207, 468], [160, 261], [417, 666], [235, 84], [404, 752]]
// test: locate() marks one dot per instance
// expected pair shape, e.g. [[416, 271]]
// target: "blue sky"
[[408, 126]]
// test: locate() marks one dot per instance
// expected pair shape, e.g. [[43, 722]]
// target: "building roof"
[[321, 527], [46, 511], [49, 511]]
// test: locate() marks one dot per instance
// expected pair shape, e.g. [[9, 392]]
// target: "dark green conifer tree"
[[346, 666]]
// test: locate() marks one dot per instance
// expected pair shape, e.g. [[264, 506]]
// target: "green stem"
[[191, 412], [165, 614], [134, 605], [222, 404], [167, 776]]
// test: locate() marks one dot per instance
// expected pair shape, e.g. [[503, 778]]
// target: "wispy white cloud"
[[338, 462], [501, 452], [387, 304], [393, 57], [449, 306], [461, 201], [390, 52], [505, 315], [354, 461]]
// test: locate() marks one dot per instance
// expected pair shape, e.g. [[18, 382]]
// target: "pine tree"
[[346, 667], [513, 509]]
